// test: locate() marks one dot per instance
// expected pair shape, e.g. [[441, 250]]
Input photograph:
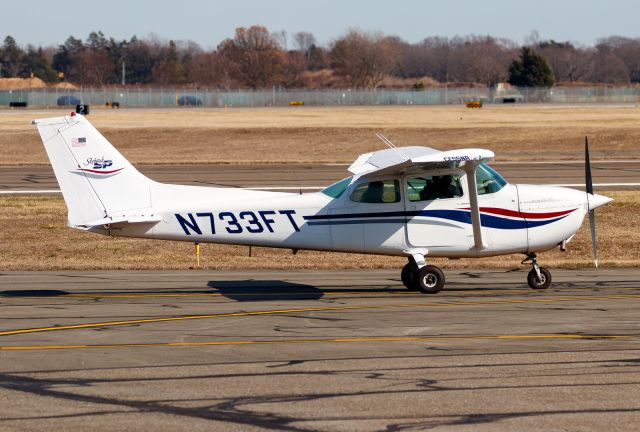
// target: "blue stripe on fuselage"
[[462, 216]]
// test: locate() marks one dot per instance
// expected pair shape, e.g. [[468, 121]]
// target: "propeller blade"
[[589, 188], [587, 167], [592, 225]]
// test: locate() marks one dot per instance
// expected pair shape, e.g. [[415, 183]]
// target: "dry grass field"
[[339, 134], [34, 236]]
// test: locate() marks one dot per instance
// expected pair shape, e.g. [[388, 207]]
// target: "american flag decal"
[[78, 142]]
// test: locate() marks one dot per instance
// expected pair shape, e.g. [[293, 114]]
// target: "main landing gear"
[[538, 277], [428, 279]]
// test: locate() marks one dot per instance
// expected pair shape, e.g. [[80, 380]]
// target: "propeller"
[[589, 188]]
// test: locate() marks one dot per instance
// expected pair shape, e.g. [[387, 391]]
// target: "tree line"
[[258, 58]]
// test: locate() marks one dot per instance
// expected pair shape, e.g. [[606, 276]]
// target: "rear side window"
[[434, 187], [377, 192]]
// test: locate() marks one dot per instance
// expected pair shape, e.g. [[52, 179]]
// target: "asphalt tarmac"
[[318, 350], [609, 175]]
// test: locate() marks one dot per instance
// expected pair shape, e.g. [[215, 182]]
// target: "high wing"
[[414, 160], [410, 160]]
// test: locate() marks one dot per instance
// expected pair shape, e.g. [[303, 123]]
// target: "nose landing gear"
[[538, 277]]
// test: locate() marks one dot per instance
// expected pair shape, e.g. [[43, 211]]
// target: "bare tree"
[[317, 58], [483, 59], [95, 67], [253, 56], [569, 63], [303, 41], [363, 59], [627, 50], [281, 38], [411, 60], [608, 68], [293, 69], [439, 60], [205, 69]]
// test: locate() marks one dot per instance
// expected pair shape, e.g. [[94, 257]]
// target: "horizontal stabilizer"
[[133, 219]]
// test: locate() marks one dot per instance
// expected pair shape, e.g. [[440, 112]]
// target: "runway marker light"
[[197, 254]]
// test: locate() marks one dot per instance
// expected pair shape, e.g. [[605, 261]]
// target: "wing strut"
[[470, 168]]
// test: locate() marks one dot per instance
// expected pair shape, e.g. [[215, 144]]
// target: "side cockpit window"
[[377, 192], [429, 188]]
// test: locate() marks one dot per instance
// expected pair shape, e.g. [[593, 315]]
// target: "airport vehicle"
[[405, 201], [186, 100], [67, 100]]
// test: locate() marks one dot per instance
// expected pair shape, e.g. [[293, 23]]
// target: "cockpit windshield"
[[488, 180], [337, 189]]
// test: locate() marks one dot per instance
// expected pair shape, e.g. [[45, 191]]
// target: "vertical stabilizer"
[[96, 180]]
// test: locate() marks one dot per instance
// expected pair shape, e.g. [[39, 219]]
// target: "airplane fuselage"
[[515, 219]]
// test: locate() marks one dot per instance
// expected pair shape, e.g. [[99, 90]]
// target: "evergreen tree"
[[140, 59], [66, 56], [37, 63], [531, 70], [10, 57], [170, 70]]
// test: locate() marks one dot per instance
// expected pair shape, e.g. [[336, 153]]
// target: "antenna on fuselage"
[[391, 145]]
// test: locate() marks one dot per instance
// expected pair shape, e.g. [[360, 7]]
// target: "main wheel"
[[539, 283], [408, 276], [430, 279]]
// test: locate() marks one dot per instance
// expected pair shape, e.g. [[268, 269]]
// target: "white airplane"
[[415, 202]]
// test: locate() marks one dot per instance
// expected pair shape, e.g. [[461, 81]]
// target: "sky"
[[47, 23]]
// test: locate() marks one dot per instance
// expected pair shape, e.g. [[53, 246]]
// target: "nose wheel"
[[538, 277]]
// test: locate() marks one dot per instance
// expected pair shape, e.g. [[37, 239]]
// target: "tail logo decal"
[[99, 166]]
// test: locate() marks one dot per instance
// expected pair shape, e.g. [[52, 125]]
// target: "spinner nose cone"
[[596, 200]]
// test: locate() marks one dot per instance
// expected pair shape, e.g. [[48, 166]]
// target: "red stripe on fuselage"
[[519, 214]]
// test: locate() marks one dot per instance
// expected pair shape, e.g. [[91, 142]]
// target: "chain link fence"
[[158, 98]]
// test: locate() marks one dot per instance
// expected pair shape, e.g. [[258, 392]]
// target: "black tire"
[[430, 279], [408, 276], [535, 283]]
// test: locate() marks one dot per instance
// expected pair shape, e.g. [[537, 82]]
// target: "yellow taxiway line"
[[313, 309], [562, 336]]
